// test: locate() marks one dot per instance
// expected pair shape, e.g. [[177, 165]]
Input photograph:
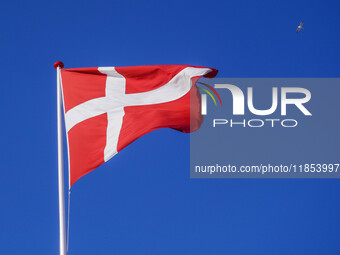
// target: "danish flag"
[[107, 108]]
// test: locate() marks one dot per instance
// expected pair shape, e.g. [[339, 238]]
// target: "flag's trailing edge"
[[107, 108]]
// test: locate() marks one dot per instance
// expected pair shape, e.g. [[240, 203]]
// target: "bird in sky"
[[299, 27]]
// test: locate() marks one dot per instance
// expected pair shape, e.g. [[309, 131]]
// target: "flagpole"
[[62, 227]]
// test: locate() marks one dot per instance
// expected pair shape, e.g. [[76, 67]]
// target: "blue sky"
[[143, 201]]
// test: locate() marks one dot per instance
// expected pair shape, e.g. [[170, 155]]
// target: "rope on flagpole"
[[68, 220]]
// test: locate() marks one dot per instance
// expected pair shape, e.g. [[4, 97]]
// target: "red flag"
[[107, 108]]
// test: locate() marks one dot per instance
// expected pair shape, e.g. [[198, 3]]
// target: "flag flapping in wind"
[[107, 108]]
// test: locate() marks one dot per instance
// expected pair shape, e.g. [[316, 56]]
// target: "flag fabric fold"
[[107, 108]]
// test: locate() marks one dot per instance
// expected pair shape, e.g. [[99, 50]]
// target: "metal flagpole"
[[62, 228]]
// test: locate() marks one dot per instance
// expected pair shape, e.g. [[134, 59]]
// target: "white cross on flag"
[[107, 108]]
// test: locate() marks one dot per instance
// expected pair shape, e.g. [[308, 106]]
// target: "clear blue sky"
[[142, 201]]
